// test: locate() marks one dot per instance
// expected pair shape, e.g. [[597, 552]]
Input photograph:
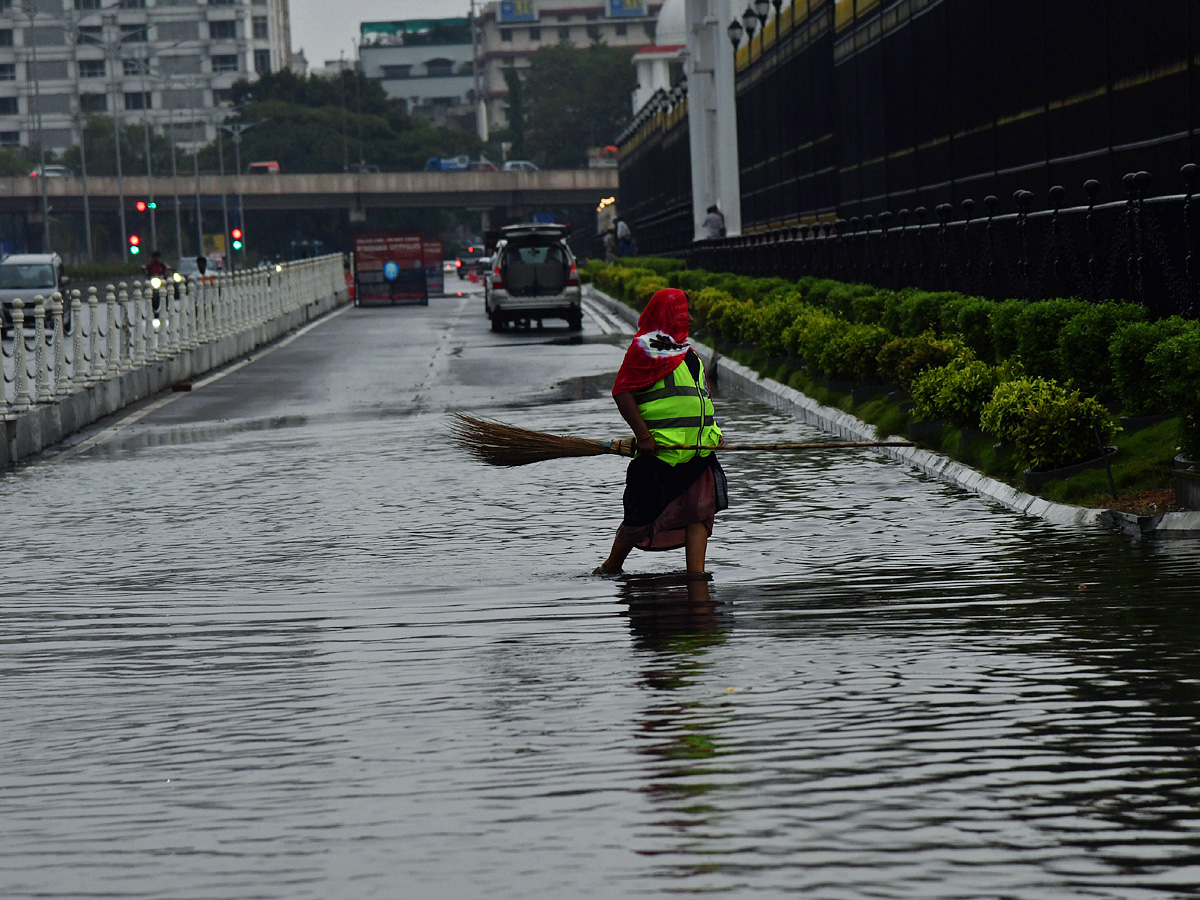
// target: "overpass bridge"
[[351, 191]]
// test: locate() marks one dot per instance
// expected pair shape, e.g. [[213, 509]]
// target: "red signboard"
[[434, 275], [389, 268]]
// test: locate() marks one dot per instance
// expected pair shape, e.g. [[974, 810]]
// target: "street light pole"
[[224, 192], [236, 129], [27, 8], [73, 33]]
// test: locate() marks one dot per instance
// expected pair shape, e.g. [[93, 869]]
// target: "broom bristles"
[[498, 444]]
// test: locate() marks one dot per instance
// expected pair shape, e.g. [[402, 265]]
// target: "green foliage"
[[808, 332], [16, 161], [1004, 316], [1038, 328], [1048, 426], [708, 299], [868, 308], [657, 264], [690, 280], [102, 155], [1003, 415], [973, 321], [839, 299], [641, 290], [576, 99], [1129, 350], [850, 350], [904, 358], [1176, 366], [959, 390], [772, 319], [921, 311], [1083, 346]]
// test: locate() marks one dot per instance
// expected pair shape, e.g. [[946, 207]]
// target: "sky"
[[325, 28]]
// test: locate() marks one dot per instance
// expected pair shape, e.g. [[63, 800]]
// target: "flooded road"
[[280, 639]]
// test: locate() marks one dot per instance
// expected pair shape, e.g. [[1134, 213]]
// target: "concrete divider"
[[129, 350]]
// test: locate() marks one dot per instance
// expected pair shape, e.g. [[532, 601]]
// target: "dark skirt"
[[661, 500]]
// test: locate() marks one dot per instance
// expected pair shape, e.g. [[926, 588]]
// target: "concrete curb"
[[743, 380], [30, 432]]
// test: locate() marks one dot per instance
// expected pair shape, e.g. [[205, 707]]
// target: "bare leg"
[[616, 558], [695, 544]]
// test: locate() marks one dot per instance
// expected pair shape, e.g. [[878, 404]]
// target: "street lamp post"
[[73, 33], [224, 192], [762, 8], [32, 63], [237, 129]]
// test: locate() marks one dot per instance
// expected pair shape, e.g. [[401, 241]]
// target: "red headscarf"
[[659, 345]]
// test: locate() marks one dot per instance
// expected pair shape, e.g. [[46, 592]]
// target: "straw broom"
[[498, 444]]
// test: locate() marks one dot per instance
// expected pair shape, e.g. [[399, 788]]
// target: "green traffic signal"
[[237, 245], [135, 250], [153, 205]]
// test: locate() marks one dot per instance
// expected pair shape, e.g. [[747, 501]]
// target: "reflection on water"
[[337, 659]]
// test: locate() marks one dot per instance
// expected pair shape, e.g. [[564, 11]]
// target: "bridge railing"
[[81, 341]]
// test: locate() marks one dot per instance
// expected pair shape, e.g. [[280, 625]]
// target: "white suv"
[[27, 275], [533, 277]]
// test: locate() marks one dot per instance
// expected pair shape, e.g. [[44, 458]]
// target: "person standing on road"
[[610, 245], [674, 486]]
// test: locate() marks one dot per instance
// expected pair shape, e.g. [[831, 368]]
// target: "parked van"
[[263, 168]]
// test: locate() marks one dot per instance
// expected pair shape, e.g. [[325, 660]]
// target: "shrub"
[[1038, 328], [816, 290], [690, 280], [733, 319], [640, 291], [850, 350], [1060, 429], [704, 302], [868, 308], [948, 314], [1176, 366], [1003, 415], [772, 319], [975, 325], [1129, 351], [1083, 346], [903, 359], [959, 390], [839, 299], [657, 264], [1004, 317], [921, 311], [807, 333]]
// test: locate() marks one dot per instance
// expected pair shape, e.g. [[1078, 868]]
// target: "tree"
[[516, 111], [576, 99], [101, 151]]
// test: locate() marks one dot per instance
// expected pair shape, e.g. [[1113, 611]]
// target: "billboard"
[[620, 9], [389, 268], [521, 11]]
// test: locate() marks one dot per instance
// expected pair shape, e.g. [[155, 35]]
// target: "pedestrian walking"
[[674, 486], [625, 243], [610, 245]]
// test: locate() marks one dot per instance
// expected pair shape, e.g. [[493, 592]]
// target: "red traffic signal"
[[134, 240], [236, 234], [141, 206]]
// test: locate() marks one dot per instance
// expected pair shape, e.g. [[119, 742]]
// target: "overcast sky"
[[323, 28]]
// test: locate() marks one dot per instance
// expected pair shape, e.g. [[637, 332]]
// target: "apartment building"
[[511, 31], [427, 63], [170, 61]]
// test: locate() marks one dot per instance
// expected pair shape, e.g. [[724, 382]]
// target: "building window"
[[564, 17], [260, 28], [222, 97], [593, 32], [535, 34], [439, 68], [564, 34], [222, 2], [10, 137], [8, 106], [132, 4], [91, 34], [506, 35], [138, 100], [6, 37], [91, 68], [87, 4], [621, 29], [223, 29], [8, 72], [592, 16], [649, 26], [262, 61], [134, 67], [93, 103], [134, 34], [225, 62], [404, 71]]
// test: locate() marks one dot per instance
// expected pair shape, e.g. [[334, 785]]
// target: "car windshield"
[[30, 276]]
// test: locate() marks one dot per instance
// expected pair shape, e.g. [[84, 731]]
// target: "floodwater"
[[281, 639]]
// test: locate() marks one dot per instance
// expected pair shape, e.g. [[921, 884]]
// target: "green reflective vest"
[[679, 413]]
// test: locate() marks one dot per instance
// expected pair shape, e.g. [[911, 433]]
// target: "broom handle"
[[626, 447]]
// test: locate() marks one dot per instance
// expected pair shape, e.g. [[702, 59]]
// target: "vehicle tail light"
[[497, 279], [573, 276]]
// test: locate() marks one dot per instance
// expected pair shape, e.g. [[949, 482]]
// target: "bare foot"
[[604, 570]]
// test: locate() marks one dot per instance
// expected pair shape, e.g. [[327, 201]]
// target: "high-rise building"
[[511, 31], [172, 62], [427, 63]]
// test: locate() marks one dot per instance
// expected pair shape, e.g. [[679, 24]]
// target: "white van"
[[25, 276]]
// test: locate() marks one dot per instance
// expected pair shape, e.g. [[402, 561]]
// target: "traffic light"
[[152, 205], [236, 234], [140, 206], [134, 242]]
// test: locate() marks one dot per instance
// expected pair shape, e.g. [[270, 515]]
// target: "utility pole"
[[73, 34], [236, 129], [27, 8], [481, 124], [224, 192]]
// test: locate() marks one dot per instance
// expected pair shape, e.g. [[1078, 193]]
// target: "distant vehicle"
[[533, 277], [468, 261], [363, 168], [52, 172], [24, 276], [484, 165], [602, 157], [519, 165], [263, 168], [448, 164], [449, 265]]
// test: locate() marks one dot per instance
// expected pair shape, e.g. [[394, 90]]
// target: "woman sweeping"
[[674, 486]]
